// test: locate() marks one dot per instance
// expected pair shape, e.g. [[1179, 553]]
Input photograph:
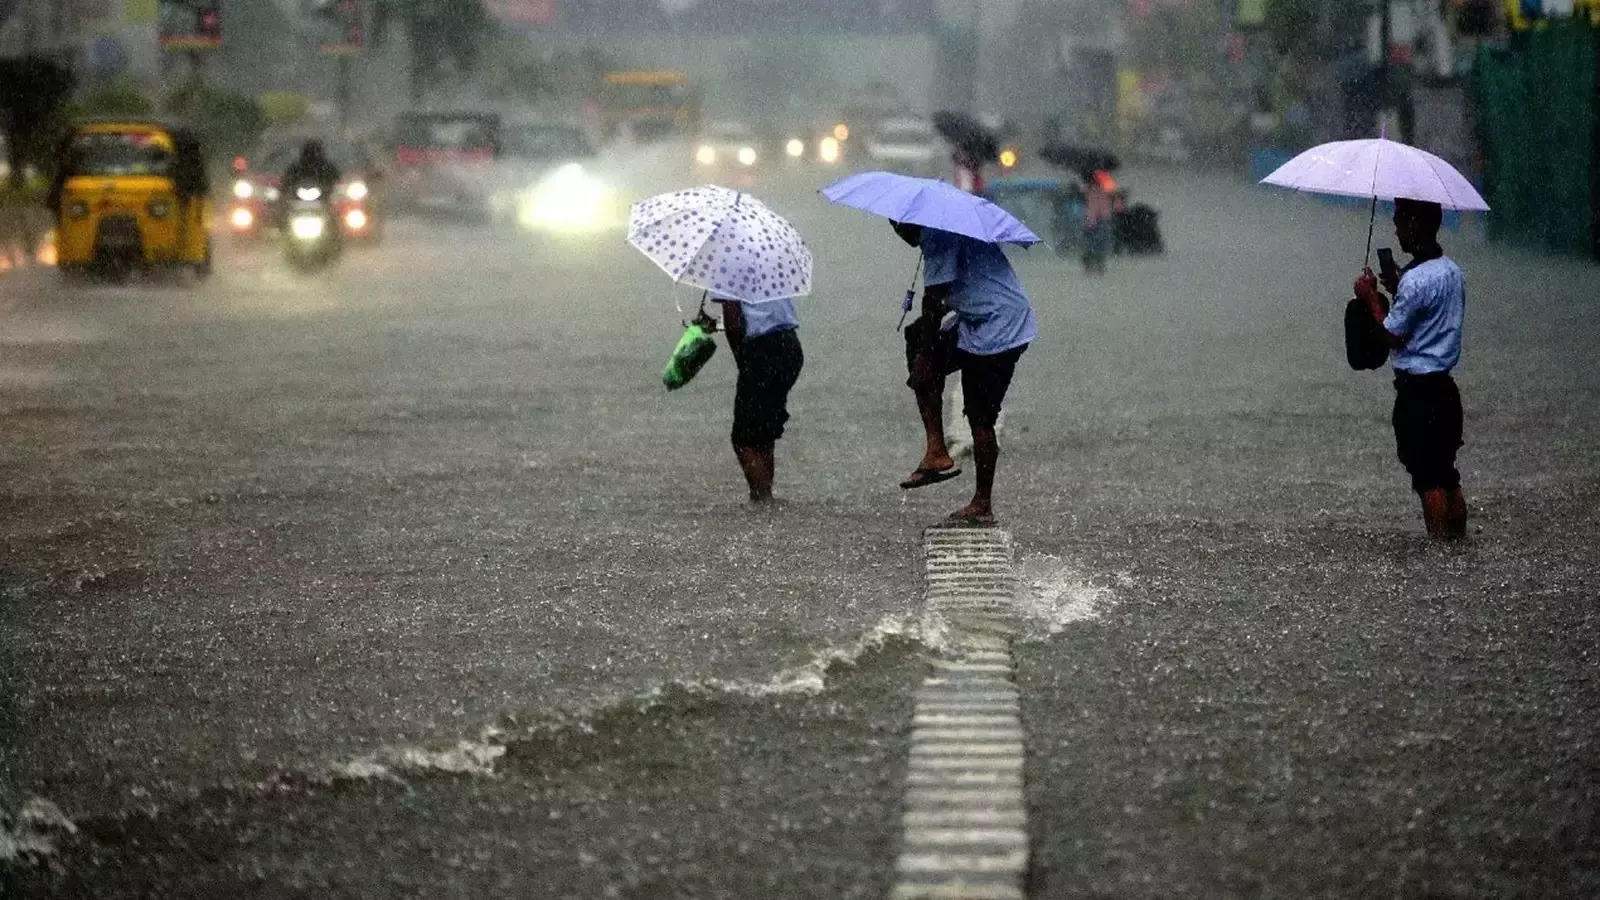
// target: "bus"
[[651, 103]]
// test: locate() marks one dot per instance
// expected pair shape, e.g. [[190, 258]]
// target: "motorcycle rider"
[[312, 168]]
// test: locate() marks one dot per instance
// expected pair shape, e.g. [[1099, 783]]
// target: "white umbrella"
[[724, 241], [1377, 169]]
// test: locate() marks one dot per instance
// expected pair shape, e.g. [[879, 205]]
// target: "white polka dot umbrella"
[[724, 241]]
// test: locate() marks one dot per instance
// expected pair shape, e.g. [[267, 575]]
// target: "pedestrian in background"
[[1424, 326], [1097, 188], [968, 171], [765, 342]]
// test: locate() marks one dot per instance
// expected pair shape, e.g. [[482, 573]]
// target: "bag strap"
[[911, 293], [699, 314]]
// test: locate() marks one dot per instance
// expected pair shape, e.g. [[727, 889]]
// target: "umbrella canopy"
[[968, 136], [1077, 158], [1377, 169], [934, 204], [724, 241]]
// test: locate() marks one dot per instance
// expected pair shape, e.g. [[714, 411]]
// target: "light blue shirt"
[[766, 318], [1428, 310], [992, 312]]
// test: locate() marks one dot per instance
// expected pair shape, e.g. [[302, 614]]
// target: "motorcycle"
[[311, 236]]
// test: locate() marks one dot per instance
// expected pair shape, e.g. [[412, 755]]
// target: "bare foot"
[[974, 513]]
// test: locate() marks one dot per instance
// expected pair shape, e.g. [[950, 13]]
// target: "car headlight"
[[747, 156], [796, 148], [244, 190], [356, 190], [706, 155], [570, 199], [307, 228], [828, 150], [159, 208]]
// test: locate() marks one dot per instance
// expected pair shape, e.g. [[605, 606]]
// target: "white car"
[[907, 145], [727, 146]]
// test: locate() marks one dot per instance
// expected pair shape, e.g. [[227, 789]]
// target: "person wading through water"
[[1424, 330], [765, 342]]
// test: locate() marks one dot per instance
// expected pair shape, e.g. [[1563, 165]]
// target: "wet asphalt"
[[257, 529]]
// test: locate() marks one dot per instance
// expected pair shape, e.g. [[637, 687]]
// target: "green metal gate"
[[1538, 104]]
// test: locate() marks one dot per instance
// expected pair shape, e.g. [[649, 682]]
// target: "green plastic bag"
[[693, 350]]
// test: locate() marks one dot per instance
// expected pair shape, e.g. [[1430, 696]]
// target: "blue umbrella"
[[934, 204]]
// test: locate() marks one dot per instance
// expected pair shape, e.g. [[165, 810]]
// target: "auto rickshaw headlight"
[[77, 210], [159, 208]]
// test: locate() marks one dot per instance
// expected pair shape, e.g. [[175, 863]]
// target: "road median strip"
[[964, 826]]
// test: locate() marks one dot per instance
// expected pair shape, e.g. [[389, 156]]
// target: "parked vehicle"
[[131, 194]]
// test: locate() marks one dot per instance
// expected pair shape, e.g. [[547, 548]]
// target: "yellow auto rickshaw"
[[131, 194]]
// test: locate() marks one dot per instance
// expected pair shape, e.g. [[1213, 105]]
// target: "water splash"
[[1053, 594], [478, 756], [31, 832]]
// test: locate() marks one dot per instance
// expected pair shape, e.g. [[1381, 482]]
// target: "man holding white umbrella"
[[1424, 328], [1423, 325]]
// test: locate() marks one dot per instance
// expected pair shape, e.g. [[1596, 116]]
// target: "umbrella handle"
[[1372, 220]]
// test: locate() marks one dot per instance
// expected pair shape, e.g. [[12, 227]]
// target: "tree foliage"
[[124, 97], [32, 91], [227, 122], [440, 32]]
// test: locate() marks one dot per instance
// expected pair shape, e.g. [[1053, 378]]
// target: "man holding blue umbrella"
[[966, 278], [993, 326]]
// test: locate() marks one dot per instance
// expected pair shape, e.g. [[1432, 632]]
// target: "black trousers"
[[1427, 429], [769, 366]]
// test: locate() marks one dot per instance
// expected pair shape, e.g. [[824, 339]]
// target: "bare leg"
[[758, 465], [1436, 513], [1456, 504], [986, 454], [930, 404]]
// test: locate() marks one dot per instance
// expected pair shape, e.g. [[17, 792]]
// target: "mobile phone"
[[1386, 262]]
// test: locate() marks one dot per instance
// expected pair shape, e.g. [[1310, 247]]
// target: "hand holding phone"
[[1389, 272]]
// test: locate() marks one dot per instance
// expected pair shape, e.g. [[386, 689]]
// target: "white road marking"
[[964, 826]]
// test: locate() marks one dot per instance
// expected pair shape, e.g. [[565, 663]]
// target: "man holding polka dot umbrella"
[[753, 262]]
